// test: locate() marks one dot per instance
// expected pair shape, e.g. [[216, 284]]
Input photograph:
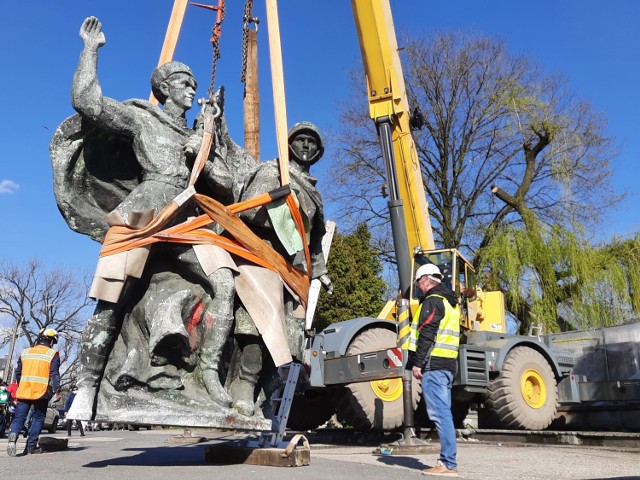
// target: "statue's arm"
[[219, 178], [216, 172], [86, 92]]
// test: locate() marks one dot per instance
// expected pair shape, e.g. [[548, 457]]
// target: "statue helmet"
[[163, 72], [310, 129]]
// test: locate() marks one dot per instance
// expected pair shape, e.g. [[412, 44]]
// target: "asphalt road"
[[142, 455]]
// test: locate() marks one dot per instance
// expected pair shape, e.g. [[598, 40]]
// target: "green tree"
[[515, 167], [553, 277], [491, 118], [355, 271]]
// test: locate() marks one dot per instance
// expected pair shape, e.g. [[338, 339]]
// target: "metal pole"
[[8, 365], [409, 437], [396, 208], [252, 98], [404, 319]]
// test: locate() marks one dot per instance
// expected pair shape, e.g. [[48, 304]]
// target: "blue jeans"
[[436, 389], [37, 419]]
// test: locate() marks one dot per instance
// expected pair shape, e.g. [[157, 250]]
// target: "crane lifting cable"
[[216, 33], [279, 99], [171, 37], [280, 111]]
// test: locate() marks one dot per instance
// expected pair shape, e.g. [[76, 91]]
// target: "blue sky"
[[595, 44]]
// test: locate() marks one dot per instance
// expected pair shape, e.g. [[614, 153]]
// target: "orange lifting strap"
[[244, 243]]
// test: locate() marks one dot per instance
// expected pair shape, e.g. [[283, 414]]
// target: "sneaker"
[[11, 445], [440, 470], [32, 451]]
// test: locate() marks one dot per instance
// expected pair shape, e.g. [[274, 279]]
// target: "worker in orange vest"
[[38, 377]]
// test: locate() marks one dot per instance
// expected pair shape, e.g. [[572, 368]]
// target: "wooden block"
[[272, 457], [185, 439]]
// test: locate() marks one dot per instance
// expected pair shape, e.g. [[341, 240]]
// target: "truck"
[[578, 380], [355, 367]]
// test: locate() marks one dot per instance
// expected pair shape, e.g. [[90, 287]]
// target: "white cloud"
[[8, 186]]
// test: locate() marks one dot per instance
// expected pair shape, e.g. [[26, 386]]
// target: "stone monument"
[[166, 343]]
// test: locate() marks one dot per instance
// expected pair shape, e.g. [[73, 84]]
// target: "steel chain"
[[247, 19], [215, 39]]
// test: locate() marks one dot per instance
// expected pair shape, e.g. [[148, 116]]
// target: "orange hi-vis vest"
[[36, 365]]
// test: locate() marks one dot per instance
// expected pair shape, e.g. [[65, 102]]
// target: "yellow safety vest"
[[36, 365], [448, 335]]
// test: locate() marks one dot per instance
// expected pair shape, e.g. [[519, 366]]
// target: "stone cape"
[[152, 374], [93, 172], [151, 370]]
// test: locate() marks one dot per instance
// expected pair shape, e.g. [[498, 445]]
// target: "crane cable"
[[216, 33]]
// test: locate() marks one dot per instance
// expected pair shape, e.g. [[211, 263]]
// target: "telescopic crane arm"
[[389, 109]]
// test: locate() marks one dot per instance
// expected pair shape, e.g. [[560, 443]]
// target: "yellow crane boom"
[[389, 109], [388, 100]]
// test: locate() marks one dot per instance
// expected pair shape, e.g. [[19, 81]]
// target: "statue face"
[[304, 146], [181, 90]]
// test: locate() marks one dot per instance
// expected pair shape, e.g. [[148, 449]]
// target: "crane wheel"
[[525, 394], [459, 412], [311, 409], [375, 405]]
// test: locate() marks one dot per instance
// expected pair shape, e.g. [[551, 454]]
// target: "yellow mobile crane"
[[355, 366]]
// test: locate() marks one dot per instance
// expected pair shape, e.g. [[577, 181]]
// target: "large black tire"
[[374, 405], [311, 409], [525, 394], [3, 425], [459, 411]]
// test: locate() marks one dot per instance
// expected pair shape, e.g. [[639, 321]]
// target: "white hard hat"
[[431, 270], [49, 333]]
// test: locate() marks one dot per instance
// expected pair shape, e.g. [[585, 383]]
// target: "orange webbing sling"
[[246, 244]]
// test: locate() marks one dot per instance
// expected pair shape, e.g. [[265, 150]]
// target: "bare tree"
[[34, 297], [492, 119]]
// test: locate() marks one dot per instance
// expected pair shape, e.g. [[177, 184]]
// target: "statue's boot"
[[98, 339], [243, 388], [84, 403], [213, 343]]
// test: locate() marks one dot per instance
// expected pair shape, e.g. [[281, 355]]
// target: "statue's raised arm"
[[86, 94]]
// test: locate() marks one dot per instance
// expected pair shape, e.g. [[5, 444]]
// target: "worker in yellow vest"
[[38, 377], [434, 340]]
